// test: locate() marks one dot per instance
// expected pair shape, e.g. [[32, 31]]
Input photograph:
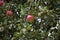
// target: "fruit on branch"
[[1, 2], [30, 18], [9, 13]]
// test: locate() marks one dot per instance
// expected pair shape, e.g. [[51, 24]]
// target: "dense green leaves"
[[16, 27]]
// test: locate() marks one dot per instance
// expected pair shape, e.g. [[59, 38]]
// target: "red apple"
[[1, 3], [30, 18], [9, 13]]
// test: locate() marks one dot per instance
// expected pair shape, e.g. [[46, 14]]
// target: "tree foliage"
[[46, 24]]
